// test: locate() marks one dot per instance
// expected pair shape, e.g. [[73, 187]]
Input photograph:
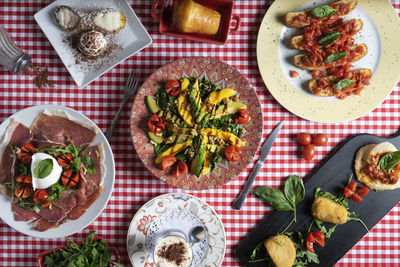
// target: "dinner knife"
[[238, 202]]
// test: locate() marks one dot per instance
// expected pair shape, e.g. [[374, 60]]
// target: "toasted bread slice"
[[332, 79], [298, 59], [296, 41], [290, 17]]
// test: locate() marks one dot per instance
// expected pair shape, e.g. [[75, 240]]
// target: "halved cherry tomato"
[[320, 139], [243, 117], [156, 124], [180, 169], [167, 162], [232, 153], [64, 160], [172, 88], [362, 191], [310, 247], [70, 178], [356, 194], [46, 204], [25, 155], [303, 138], [315, 237], [40, 195], [309, 152]]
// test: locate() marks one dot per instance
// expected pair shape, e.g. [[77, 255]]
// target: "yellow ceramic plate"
[[380, 33]]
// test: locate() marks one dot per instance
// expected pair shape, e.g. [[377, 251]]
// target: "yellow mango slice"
[[173, 150], [183, 103], [228, 137], [217, 96], [206, 169]]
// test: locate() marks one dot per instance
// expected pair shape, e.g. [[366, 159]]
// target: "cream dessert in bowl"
[[172, 251]]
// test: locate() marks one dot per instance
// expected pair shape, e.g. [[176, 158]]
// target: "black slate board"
[[331, 176]]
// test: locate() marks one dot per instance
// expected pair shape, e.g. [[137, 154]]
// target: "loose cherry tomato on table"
[[303, 138], [320, 139], [156, 124], [232, 153], [309, 152], [172, 88], [243, 117], [167, 162], [180, 169]]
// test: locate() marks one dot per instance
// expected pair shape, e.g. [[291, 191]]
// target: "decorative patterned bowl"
[[223, 75]]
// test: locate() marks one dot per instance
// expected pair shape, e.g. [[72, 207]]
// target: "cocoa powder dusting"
[[41, 74], [173, 253]]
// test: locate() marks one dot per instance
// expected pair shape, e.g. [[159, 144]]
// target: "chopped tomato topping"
[[293, 74]]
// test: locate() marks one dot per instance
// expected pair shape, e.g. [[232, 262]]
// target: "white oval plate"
[[380, 32], [143, 218], [26, 117]]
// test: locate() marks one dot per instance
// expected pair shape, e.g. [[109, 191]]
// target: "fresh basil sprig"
[[343, 84], [44, 168], [388, 161], [329, 38], [323, 11], [287, 200], [335, 56]]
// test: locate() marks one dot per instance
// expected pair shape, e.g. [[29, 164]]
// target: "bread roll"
[[191, 17]]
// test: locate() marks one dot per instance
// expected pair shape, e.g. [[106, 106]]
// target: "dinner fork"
[[131, 87]]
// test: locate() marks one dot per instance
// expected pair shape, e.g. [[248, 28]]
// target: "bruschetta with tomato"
[[342, 86], [302, 19], [325, 36]]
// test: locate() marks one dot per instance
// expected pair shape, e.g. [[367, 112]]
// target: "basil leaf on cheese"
[[335, 56], [343, 84], [388, 161], [44, 168], [323, 11], [329, 38]]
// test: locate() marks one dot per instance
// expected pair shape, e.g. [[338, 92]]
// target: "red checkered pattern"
[[134, 185]]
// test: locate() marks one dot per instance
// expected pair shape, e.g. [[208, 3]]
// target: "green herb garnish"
[[287, 200], [323, 11], [44, 168], [90, 253], [329, 38], [343, 84], [89, 162], [388, 161], [335, 56]]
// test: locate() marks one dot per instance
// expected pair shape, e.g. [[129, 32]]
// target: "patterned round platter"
[[142, 227], [221, 74]]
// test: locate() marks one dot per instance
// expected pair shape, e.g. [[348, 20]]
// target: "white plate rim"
[[71, 226], [142, 211]]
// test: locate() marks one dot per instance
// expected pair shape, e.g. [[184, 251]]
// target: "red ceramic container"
[[40, 257], [224, 7]]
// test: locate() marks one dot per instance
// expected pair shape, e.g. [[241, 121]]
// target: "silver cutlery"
[[238, 202], [131, 87]]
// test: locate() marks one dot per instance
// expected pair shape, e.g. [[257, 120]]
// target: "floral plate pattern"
[[163, 204], [221, 74]]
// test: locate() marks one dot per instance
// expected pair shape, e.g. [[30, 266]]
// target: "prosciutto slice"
[[18, 135], [58, 130]]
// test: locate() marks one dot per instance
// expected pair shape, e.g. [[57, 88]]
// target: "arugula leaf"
[[215, 159], [160, 148], [55, 191], [343, 84], [323, 11], [89, 163], [335, 56], [388, 161], [329, 38]]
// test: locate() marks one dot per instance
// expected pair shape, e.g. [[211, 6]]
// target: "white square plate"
[[132, 38]]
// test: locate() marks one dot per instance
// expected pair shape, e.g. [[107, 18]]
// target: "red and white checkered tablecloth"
[[134, 185]]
